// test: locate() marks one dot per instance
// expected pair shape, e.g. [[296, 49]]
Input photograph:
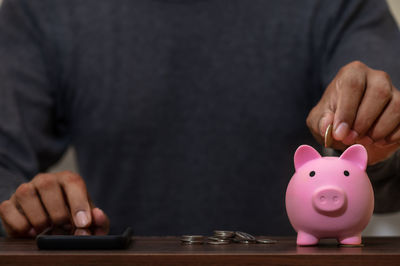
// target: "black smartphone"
[[57, 238]]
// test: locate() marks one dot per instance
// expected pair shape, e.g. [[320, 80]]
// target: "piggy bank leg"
[[353, 240], [306, 239]]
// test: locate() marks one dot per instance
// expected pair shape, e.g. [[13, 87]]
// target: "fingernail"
[[82, 219], [341, 131]]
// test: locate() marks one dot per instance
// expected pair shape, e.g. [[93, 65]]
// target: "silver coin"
[[223, 238], [211, 238], [266, 241], [244, 236], [223, 234], [217, 243], [192, 237], [246, 242], [192, 240]]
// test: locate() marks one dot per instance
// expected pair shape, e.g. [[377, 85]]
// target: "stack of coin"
[[221, 237], [218, 241], [224, 234], [192, 239], [244, 238]]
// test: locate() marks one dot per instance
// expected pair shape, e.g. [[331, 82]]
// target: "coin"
[[222, 237], [217, 243], [211, 238], [245, 241], [328, 136], [266, 241], [244, 236], [224, 234], [192, 239]]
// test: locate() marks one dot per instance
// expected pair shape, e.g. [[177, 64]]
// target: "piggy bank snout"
[[329, 199]]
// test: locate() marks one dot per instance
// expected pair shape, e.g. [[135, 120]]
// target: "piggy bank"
[[329, 197]]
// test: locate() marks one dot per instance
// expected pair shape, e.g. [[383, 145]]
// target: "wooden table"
[[169, 251]]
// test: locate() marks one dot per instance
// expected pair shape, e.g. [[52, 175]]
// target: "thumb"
[[320, 117], [318, 121], [325, 120]]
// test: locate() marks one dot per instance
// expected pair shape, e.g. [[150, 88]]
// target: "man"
[[185, 115]]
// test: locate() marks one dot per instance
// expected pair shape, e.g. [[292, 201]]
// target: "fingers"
[[350, 85], [27, 198], [394, 137], [320, 117], [76, 194], [49, 199], [52, 198], [377, 95], [388, 122], [325, 121], [15, 223]]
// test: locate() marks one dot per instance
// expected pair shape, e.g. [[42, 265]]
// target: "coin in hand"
[[328, 136]]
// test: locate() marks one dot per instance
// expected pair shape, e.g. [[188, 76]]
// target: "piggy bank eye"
[[346, 173], [312, 173]]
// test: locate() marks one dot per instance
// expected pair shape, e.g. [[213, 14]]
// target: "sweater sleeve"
[[32, 135], [362, 30]]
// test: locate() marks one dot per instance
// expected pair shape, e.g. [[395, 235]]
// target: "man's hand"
[[364, 107], [50, 199]]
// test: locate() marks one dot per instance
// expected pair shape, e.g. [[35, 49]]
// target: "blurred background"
[[380, 225]]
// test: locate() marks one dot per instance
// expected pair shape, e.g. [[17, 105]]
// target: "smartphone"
[[56, 238]]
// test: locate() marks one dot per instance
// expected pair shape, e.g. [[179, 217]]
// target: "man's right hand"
[[50, 199]]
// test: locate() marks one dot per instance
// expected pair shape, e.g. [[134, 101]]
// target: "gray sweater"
[[185, 114]]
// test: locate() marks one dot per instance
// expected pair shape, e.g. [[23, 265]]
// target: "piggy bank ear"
[[304, 154], [356, 154]]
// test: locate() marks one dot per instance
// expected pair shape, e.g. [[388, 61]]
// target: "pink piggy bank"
[[329, 197]]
